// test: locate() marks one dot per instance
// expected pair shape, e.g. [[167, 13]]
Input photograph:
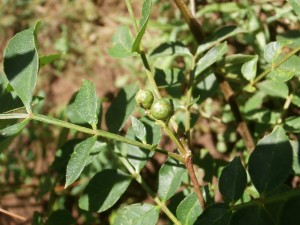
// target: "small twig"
[[286, 106], [190, 168], [193, 7], [9, 116], [193, 24], [13, 215], [102, 133]]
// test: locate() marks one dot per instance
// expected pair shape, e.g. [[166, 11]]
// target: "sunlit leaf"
[[170, 176], [146, 11], [296, 156], [79, 159], [249, 68], [138, 128], [86, 103], [273, 49], [279, 75], [189, 209], [21, 64], [137, 214], [292, 123], [273, 88], [121, 43], [47, 59], [210, 57]]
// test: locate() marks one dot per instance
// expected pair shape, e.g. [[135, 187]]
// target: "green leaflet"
[[79, 159], [137, 214], [98, 195], [138, 128], [122, 42], [13, 130], [271, 161], [210, 58], [146, 11], [233, 180], [189, 209], [86, 103], [21, 64], [170, 176]]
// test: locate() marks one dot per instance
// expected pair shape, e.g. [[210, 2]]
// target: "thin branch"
[[193, 7], [193, 24], [103, 134], [13, 215], [190, 168], [13, 116]]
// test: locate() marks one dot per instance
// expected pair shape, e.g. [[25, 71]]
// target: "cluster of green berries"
[[160, 109]]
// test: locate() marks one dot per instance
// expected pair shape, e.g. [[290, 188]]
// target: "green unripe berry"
[[144, 98], [162, 109]]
